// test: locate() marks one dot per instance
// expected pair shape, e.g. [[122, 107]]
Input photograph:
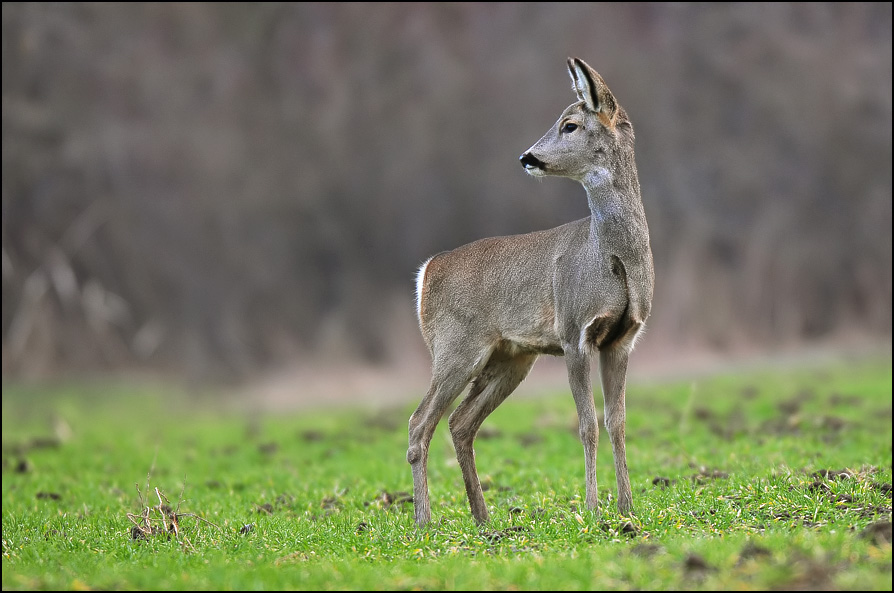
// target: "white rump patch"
[[420, 279]]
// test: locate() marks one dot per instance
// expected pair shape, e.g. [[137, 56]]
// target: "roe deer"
[[489, 308]]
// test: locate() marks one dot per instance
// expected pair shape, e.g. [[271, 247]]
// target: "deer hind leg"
[[497, 380], [450, 375]]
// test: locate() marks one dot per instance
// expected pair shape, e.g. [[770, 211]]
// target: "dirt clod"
[[662, 482], [268, 448], [749, 392], [646, 550], [388, 499], [45, 443], [704, 474], [529, 439], [753, 550], [312, 436], [883, 488], [696, 565], [489, 433], [879, 532], [495, 536], [817, 486], [833, 474]]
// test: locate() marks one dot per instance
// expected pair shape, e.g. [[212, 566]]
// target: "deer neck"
[[614, 201]]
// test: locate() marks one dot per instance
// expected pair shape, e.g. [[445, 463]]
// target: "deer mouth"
[[532, 165]]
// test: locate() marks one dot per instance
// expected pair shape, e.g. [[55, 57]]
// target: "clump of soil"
[[878, 533], [283, 501], [161, 519], [495, 536], [388, 499]]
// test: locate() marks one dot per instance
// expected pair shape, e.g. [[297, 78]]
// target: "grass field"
[[750, 481]]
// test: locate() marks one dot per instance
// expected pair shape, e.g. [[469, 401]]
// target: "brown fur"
[[489, 308]]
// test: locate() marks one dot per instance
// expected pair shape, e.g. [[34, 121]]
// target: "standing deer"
[[488, 309]]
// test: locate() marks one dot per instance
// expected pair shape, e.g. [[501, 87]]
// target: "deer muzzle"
[[530, 162]]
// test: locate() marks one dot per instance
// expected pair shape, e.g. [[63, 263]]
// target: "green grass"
[[724, 474]]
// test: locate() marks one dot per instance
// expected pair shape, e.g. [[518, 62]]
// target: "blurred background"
[[217, 191]]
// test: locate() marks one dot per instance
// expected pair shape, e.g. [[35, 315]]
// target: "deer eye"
[[568, 128]]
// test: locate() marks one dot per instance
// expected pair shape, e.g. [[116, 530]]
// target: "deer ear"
[[592, 90], [578, 85]]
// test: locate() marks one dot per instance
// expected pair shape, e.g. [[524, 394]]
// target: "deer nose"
[[529, 161]]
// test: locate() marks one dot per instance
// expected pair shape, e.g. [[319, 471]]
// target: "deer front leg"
[[578, 364], [613, 369]]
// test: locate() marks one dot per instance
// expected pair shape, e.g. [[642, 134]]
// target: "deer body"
[[489, 308]]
